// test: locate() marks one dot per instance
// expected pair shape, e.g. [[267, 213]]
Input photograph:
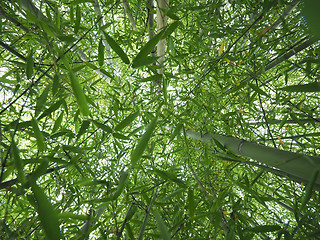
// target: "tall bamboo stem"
[[296, 164]]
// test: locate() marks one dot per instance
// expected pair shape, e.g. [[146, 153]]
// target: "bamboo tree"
[[91, 152]]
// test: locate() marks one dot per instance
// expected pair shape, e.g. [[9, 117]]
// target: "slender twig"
[[145, 220], [275, 121], [293, 50], [15, 181], [13, 20], [119, 233], [12, 50], [264, 113]]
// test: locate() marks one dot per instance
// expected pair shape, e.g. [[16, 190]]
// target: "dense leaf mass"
[[96, 142]]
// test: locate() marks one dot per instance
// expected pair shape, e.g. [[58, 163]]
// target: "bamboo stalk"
[[150, 6], [275, 121], [296, 164], [162, 20], [127, 10]]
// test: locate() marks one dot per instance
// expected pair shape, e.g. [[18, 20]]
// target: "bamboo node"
[[240, 146]]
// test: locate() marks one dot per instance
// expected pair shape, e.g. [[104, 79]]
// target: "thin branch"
[[293, 50], [215, 62], [12, 182], [275, 121], [13, 20], [119, 234], [145, 220], [13, 51]]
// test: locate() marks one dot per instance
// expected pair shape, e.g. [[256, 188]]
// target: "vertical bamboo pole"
[[162, 20]]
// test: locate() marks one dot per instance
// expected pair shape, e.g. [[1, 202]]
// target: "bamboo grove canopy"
[[156, 120]]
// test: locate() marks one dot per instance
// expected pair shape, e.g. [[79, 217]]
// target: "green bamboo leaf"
[[296, 119], [120, 136], [122, 182], [144, 61], [79, 94], [135, 131], [51, 109], [67, 38], [172, 195], [129, 231], [176, 131], [57, 123], [42, 99], [47, 214], [238, 87], [4, 79], [91, 65], [55, 84], [29, 65], [40, 170], [163, 229], [104, 127], [257, 89], [38, 135], [107, 74], [170, 29], [71, 12], [48, 13], [131, 212], [116, 47], [311, 13], [310, 87], [74, 149], [127, 121], [101, 50], [309, 188], [283, 121], [58, 19], [78, 19], [18, 162], [151, 78], [148, 48], [137, 152], [66, 215], [191, 202], [84, 126], [171, 15], [165, 89], [167, 175], [265, 228], [21, 125]]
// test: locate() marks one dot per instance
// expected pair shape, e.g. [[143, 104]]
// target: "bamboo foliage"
[[85, 137]]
